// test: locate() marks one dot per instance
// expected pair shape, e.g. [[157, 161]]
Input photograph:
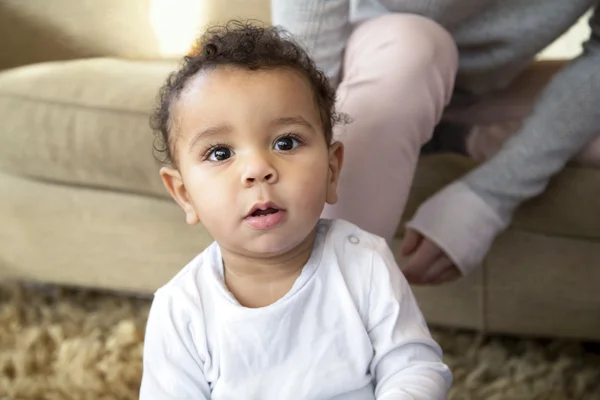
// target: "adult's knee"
[[401, 42]]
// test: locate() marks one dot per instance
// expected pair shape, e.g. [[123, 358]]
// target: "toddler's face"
[[254, 166]]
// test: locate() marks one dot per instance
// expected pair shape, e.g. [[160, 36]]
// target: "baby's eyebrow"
[[295, 120], [212, 131]]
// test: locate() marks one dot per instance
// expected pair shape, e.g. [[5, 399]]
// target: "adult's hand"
[[427, 263]]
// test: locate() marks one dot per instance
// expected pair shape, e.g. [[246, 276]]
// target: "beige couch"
[[81, 202]]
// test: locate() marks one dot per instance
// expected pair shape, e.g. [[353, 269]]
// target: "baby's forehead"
[[230, 93], [225, 87], [225, 77]]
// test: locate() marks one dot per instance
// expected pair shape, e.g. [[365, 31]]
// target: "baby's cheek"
[[212, 198], [311, 194]]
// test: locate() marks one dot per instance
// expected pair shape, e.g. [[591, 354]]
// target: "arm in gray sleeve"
[[565, 118], [321, 26], [465, 217]]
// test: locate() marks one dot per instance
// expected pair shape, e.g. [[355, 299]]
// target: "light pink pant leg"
[[398, 76]]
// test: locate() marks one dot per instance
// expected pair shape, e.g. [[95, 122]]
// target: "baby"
[[283, 305]]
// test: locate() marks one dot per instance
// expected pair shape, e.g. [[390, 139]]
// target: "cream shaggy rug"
[[58, 343]]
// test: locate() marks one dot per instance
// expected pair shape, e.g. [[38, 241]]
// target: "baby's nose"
[[267, 178], [258, 170]]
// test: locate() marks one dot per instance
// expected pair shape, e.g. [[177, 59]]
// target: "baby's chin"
[[268, 245]]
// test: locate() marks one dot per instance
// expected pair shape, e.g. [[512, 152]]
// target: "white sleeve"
[[407, 362], [172, 365]]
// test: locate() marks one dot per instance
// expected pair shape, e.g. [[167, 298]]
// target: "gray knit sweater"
[[496, 40]]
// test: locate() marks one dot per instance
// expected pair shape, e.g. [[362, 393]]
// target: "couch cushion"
[[82, 122], [570, 206], [88, 237]]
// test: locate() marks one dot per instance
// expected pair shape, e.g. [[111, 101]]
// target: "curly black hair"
[[245, 45]]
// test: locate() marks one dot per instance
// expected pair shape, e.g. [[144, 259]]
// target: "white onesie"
[[348, 329]]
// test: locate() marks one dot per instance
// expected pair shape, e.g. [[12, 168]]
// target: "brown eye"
[[286, 143], [220, 154]]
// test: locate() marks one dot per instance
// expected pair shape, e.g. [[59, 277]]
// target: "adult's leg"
[[398, 76]]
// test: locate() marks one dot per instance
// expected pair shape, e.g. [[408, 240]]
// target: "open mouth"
[[262, 213], [265, 216]]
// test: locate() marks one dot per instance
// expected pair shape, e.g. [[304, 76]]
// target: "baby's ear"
[[336, 159], [173, 182]]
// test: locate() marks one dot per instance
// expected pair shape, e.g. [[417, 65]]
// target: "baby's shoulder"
[[351, 239], [188, 284], [362, 260], [356, 251]]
